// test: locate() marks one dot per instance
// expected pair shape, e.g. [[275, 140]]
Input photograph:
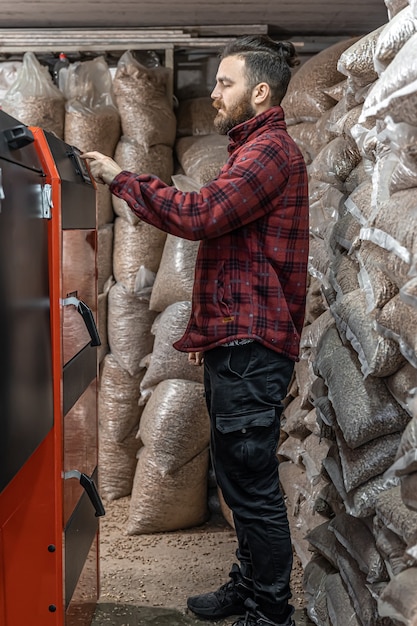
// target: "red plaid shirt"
[[252, 220]]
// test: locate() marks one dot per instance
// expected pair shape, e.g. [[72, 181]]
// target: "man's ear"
[[261, 93]]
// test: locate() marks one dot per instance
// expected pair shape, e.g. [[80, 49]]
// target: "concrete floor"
[[128, 615]]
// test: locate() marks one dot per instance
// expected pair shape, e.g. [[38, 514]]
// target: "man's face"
[[232, 98]]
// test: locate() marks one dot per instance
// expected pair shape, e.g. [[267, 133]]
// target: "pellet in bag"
[[161, 503], [175, 425], [364, 408]]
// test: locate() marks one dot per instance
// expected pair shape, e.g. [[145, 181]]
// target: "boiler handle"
[[90, 487], [87, 315]]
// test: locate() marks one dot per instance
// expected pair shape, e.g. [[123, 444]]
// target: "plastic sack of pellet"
[[315, 575], [357, 62], [8, 75], [395, 92], [202, 157], [129, 325], [399, 165], [337, 91], [399, 596], [360, 592], [175, 276], [362, 173], [104, 205], [118, 397], [292, 419], [339, 605], [92, 121], [135, 246], [315, 450], [117, 463], [392, 512], [395, 6], [343, 275], [141, 97], [392, 225], [408, 292], [357, 538], [405, 461], [325, 210], [364, 407], [195, 116], [367, 461], [391, 547], [402, 384], [307, 139], [175, 426], [381, 273], [393, 37], [165, 361], [398, 321], [306, 99], [409, 490], [312, 333], [141, 158], [323, 540], [185, 183], [335, 161], [377, 355], [175, 501], [34, 99]]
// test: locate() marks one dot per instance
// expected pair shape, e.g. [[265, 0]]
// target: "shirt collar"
[[273, 118]]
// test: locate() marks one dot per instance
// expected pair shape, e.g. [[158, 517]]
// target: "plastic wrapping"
[[399, 596], [165, 361], [306, 100], [161, 503], [364, 407], [175, 426], [397, 320], [141, 97], [135, 246], [395, 6], [8, 75], [395, 92], [202, 157], [34, 99], [129, 326], [393, 37], [335, 161], [357, 62], [92, 121], [378, 356], [356, 537], [175, 276], [195, 116]]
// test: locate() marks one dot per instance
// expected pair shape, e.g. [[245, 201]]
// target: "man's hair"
[[266, 61]]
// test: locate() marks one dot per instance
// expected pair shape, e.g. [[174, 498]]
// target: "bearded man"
[[248, 309]]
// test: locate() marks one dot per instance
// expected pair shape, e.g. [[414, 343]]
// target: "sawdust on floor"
[[163, 569]]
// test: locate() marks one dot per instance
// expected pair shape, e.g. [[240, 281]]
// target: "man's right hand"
[[102, 167]]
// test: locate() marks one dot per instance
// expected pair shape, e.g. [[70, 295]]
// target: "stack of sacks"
[[363, 204], [200, 151], [92, 122], [148, 134], [171, 480]]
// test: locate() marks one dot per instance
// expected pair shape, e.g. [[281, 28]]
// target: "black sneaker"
[[229, 599], [254, 617]]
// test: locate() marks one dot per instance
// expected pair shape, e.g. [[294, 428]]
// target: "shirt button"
[[243, 430]]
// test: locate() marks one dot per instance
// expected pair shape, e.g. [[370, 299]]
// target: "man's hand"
[[196, 358], [102, 168]]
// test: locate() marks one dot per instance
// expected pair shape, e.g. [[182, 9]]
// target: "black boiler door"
[[26, 404]]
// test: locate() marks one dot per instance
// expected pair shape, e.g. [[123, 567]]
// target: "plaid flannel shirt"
[[253, 223]]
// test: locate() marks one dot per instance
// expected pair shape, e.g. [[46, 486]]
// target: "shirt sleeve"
[[244, 191]]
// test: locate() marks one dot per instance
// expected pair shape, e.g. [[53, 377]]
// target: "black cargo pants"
[[244, 387]]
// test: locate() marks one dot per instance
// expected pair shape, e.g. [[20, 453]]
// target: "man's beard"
[[238, 113]]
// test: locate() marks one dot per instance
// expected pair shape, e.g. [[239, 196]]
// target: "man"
[[247, 310]]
